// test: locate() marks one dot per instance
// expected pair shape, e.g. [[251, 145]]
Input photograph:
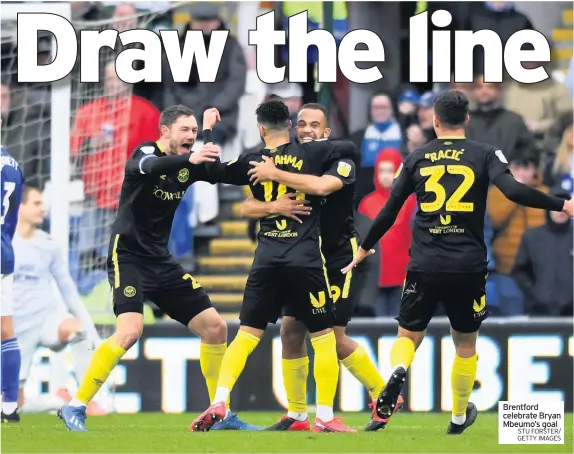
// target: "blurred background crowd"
[[530, 252]]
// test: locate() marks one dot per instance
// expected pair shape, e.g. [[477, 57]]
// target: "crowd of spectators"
[[530, 252]]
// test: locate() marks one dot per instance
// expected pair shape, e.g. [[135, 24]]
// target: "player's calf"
[[11, 361], [105, 358], [463, 375], [345, 345]]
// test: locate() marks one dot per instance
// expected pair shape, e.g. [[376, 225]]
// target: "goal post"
[[61, 101]]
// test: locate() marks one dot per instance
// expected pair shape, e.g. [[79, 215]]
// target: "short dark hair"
[[170, 115], [316, 106], [525, 159], [451, 108], [274, 114], [26, 190]]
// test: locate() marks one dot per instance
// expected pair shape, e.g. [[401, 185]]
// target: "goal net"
[[72, 140]]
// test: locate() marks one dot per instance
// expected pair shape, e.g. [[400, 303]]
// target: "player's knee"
[[214, 331], [68, 328], [464, 343], [416, 336], [6, 328], [129, 329], [293, 340]]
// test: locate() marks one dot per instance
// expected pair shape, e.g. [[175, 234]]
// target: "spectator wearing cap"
[[540, 104], [492, 123], [543, 266], [423, 131], [229, 86], [407, 107], [509, 222], [383, 131]]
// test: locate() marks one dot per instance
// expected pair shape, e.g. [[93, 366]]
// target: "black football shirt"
[[340, 239], [148, 202], [450, 178], [283, 241]]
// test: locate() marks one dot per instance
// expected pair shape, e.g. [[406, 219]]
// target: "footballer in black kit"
[[140, 265], [288, 267], [339, 240], [450, 177], [339, 246]]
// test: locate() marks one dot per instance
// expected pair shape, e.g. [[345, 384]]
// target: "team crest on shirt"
[[398, 171], [130, 291], [183, 175], [344, 169]]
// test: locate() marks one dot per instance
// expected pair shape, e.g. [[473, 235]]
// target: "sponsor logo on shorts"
[[130, 291], [411, 289], [479, 307], [318, 303], [183, 175]]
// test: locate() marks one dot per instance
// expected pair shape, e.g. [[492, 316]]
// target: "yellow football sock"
[[363, 369], [235, 358], [402, 352], [295, 372], [210, 358], [326, 370], [105, 358], [462, 380]]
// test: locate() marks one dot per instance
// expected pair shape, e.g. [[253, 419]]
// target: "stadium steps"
[[226, 283], [229, 246], [223, 265], [234, 228], [562, 38]]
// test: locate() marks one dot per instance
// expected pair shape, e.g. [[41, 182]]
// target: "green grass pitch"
[[155, 433]]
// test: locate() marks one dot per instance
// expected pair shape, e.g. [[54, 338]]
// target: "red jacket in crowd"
[[394, 246], [104, 134]]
